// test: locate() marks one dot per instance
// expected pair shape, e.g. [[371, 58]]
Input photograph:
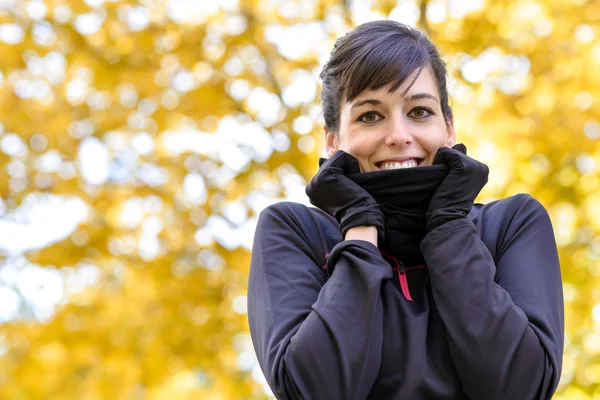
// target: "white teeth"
[[397, 165]]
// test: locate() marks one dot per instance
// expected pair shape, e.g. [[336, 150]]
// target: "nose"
[[400, 131]]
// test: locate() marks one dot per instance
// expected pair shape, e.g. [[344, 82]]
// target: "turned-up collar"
[[403, 196]]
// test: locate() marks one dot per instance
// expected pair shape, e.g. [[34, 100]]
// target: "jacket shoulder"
[[498, 221], [291, 234], [507, 208], [309, 222], [283, 208], [293, 210]]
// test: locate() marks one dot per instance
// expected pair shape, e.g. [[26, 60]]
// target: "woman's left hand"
[[457, 192]]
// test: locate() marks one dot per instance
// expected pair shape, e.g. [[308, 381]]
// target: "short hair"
[[374, 55]]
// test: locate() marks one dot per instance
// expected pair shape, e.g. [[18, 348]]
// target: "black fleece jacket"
[[482, 319]]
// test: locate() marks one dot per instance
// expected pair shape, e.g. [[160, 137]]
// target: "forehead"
[[425, 83]]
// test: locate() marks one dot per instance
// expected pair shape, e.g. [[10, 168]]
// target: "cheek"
[[363, 150], [360, 144], [362, 147], [431, 143]]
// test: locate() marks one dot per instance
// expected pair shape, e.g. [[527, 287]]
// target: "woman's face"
[[387, 131]]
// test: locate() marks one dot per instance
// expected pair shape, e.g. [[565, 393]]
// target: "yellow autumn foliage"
[[139, 140]]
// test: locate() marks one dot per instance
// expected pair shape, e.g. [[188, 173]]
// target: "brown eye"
[[369, 117], [419, 112]]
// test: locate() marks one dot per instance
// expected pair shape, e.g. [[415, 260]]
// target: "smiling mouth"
[[389, 165]]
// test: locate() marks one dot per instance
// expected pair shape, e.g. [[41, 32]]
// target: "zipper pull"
[[403, 281]]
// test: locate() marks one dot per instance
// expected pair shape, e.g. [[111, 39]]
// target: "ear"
[[331, 141], [451, 139]]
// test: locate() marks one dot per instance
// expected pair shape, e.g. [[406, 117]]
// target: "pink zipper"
[[402, 275], [403, 281], [324, 267], [400, 267]]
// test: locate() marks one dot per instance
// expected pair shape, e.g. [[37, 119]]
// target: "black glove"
[[455, 196], [333, 192]]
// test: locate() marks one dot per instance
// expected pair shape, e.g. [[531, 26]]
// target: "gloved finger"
[[334, 159], [445, 155], [345, 161], [460, 147]]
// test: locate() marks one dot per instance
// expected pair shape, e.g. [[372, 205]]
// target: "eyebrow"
[[417, 96]]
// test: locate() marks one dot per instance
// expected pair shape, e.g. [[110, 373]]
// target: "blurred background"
[[139, 141]]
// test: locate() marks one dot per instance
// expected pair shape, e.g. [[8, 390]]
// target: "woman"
[[397, 286]]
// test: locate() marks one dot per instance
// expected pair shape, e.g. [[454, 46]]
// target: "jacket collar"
[[403, 196]]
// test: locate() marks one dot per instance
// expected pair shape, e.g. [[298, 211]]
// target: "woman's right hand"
[[333, 192]]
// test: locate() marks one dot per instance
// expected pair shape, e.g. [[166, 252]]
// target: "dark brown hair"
[[374, 55]]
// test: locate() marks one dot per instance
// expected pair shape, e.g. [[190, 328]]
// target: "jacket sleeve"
[[504, 319], [314, 338]]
